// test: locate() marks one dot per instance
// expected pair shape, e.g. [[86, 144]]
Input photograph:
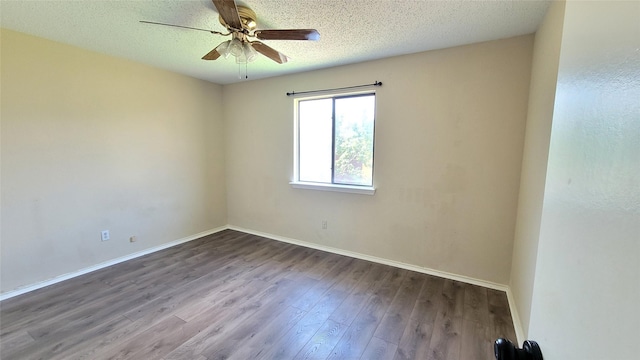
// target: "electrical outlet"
[[324, 224], [132, 239], [105, 235]]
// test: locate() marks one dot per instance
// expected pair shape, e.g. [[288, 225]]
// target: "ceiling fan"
[[241, 23]]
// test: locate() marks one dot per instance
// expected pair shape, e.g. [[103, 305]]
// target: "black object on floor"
[[505, 350]]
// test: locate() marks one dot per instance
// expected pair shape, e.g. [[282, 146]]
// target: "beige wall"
[[448, 149], [91, 142], [544, 73], [587, 280]]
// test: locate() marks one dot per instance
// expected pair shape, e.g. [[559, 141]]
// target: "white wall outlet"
[[105, 235], [324, 224], [132, 239]]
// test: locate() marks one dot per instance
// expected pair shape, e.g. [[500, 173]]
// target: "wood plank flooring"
[[233, 295]]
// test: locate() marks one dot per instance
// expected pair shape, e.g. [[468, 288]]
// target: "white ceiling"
[[351, 30]]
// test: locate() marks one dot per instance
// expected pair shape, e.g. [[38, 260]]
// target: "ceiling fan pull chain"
[[246, 76]]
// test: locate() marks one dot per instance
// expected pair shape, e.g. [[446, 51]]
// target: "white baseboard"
[[517, 324], [57, 279], [398, 264]]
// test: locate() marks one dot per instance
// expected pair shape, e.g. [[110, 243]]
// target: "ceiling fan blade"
[[183, 27], [212, 55], [229, 13], [289, 34], [269, 52]]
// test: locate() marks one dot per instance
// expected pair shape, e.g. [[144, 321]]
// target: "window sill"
[[364, 190]]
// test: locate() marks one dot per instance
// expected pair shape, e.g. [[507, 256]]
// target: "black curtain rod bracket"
[[377, 83]]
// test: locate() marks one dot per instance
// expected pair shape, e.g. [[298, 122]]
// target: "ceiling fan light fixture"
[[249, 52], [235, 47], [223, 49]]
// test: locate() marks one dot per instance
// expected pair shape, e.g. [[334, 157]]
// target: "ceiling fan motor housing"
[[247, 17]]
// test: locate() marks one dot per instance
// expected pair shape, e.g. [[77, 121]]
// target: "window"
[[334, 141]]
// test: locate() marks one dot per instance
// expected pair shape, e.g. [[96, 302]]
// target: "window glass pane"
[[354, 140], [315, 127]]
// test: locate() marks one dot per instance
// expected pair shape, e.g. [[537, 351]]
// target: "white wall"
[[91, 142], [448, 149], [587, 281], [544, 74]]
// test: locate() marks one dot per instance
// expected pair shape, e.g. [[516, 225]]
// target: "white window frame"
[[295, 182]]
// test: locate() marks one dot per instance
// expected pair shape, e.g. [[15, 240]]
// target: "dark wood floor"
[[238, 296]]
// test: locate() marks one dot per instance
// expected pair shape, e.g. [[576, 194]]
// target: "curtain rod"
[[377, 83]]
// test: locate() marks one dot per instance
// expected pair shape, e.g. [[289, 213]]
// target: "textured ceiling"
[[351, 30]]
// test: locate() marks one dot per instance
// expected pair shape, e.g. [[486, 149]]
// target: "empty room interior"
[[156, 207]]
